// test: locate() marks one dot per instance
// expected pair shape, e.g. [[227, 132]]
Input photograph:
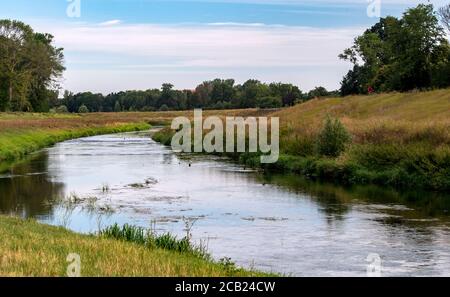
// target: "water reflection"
[[337, 200], [28, 191], [273, 222]]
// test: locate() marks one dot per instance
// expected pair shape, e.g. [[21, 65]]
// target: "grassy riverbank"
[[397, 139], [23, 133], [28, 248]]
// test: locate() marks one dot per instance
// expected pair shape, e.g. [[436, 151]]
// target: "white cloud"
[[111, 23], [236, 24], [100, 57], [212, 46]]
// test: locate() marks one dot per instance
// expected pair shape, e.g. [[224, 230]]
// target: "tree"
[[269, 102], [29, 67], [47, 66], [288, 93], [444, 14], [117, 107], [318, 92], [398, 54], [333, 138], [249, 93], [351, 83], [222, 90], [167, 96], [15, 76], [62, 109]]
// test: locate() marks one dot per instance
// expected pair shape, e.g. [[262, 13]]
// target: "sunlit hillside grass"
[[385, 119], [398, 139]]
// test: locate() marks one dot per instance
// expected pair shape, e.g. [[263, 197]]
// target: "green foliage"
[[100, 256], [17, 144], [117, 107], [83, 109], [399, 54], [318, 92], [164, 107], [152, 240], [444, 15], [164, 136], [29, 67], [215, 94], [61, 109], [269, 102], [333, 138]]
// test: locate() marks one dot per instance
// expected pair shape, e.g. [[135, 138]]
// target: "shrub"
[[152, 240], [332, 139], [83, 109], [62, 109], [269, 102], [164, 107]]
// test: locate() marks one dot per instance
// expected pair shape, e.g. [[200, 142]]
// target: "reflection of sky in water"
[[273, 226]]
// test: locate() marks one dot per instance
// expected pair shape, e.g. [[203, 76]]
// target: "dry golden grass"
[[386, 118], [9, 121]]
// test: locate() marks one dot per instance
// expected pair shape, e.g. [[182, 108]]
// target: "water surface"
[[273, 223]]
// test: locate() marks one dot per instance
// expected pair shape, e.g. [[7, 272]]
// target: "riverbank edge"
[[30, 248], [32, 140], [335, 170], [24, 142]]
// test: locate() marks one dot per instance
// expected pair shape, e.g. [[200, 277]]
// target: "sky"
[[114, 45]]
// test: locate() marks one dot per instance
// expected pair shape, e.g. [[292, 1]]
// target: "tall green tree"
[[29, 67], [444, 14], [14, 63], [398, 54]]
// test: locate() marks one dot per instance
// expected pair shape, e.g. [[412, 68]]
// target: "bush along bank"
[[116, 251], [332, 155]]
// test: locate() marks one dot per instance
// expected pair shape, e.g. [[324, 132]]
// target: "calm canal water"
[[273, 223]]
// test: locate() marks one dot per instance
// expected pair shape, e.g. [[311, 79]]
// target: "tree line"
[[215, 94]]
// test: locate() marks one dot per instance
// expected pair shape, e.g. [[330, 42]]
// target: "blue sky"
[[139, 44]]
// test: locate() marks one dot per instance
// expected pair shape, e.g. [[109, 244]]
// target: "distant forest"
[[215, 94], [396, 54]]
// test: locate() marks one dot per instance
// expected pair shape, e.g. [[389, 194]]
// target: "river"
[[275, 223]]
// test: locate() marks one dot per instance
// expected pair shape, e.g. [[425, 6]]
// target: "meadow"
[[396, 139]]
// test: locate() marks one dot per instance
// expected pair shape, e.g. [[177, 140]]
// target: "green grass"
[[16, 144], [152, 240], [28, 248]]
